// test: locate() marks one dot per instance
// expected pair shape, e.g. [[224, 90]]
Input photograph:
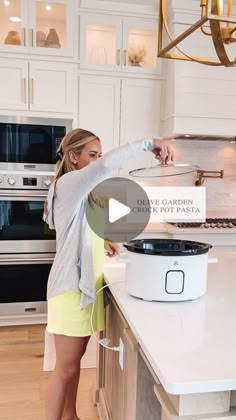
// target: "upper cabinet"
[[119, 44], [36, 86], [37, 27]]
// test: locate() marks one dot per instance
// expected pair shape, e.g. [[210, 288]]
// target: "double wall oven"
[[27, 245]]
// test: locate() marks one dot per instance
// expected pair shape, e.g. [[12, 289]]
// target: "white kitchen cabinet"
[[13, 84], [140, 117], [140, 40], [100, 42], [36, 86], [99, 108], [37, 27], [51, 86], [121, 44], [120, 111]]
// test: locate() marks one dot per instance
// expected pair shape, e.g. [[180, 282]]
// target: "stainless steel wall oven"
[[27, 245]]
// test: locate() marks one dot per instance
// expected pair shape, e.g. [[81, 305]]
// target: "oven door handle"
[[22, 195], [21, 261]]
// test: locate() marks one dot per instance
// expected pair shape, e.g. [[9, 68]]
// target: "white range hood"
[[185, 136]]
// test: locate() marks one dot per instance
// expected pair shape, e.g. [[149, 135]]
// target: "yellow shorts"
[[65, 315]]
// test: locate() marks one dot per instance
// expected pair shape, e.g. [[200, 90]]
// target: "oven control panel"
[[26, 181]]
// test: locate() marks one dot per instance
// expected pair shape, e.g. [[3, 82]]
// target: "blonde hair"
[[75, 141]]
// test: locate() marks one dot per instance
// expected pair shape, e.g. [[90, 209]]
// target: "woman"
[[77, 271]]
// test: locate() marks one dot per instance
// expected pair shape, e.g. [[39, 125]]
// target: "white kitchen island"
[[179, 358]]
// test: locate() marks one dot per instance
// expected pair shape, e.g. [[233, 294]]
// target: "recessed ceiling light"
[[187, 135], [15, 19], [6, 3], [48, 7]]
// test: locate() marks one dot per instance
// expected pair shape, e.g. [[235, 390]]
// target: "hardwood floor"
[[23, 382]]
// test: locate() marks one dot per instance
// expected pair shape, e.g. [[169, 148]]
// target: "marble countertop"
[[190, 345]]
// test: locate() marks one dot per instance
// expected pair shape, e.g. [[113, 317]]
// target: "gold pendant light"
[[218, 15]]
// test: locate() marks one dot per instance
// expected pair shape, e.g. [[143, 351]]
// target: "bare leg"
[[69, 351], [70, 402]]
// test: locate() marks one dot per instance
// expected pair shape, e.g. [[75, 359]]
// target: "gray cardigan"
[[72, 269]]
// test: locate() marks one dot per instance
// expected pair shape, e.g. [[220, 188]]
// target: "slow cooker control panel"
[[174, 283]]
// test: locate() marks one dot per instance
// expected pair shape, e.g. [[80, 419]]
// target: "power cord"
[[104, 341]]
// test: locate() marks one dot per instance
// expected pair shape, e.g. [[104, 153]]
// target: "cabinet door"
[[13, 23], [140, 46], [99, 108], [114, 377], [100, 42], [51, 27], [51, 86], [140, 117], [13, 84]]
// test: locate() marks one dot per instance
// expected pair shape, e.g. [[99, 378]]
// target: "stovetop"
[[211, 223]]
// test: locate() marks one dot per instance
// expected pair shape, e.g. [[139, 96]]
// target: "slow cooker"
[[166, 269]]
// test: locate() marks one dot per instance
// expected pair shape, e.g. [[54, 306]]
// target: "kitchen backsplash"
[[212, 155]]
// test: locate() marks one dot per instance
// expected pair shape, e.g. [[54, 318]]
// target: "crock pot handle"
[[212, 260], [123, 258]]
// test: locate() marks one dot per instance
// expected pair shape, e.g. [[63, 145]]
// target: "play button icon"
[[117, 210], [114, 211]]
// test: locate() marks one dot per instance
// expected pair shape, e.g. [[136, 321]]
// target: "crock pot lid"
[[167, 247], [163, 170]]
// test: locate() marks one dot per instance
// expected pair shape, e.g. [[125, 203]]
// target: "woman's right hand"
[[163, 151]]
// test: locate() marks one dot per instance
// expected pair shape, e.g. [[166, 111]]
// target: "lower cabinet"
[[133, 391], [112, 386], [124, 393]]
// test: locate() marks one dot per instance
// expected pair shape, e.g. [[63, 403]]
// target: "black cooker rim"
[[194, 247]]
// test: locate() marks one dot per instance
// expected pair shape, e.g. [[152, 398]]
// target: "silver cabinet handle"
[[24, 90], [31, 36], [23, 37], [31, 91], [118, 57], [124, 57]]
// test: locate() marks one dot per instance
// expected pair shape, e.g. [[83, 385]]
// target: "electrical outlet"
[[121, 354]]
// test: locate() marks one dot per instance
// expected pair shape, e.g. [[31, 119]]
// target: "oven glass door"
[[23, 283], [27, 143], [21, 222]]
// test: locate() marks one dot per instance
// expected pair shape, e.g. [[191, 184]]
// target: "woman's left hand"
[[112, 248]]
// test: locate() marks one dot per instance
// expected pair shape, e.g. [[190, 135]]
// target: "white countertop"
[[190, 345]]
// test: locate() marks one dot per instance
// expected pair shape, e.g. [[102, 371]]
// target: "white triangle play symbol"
[[117, 210]]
